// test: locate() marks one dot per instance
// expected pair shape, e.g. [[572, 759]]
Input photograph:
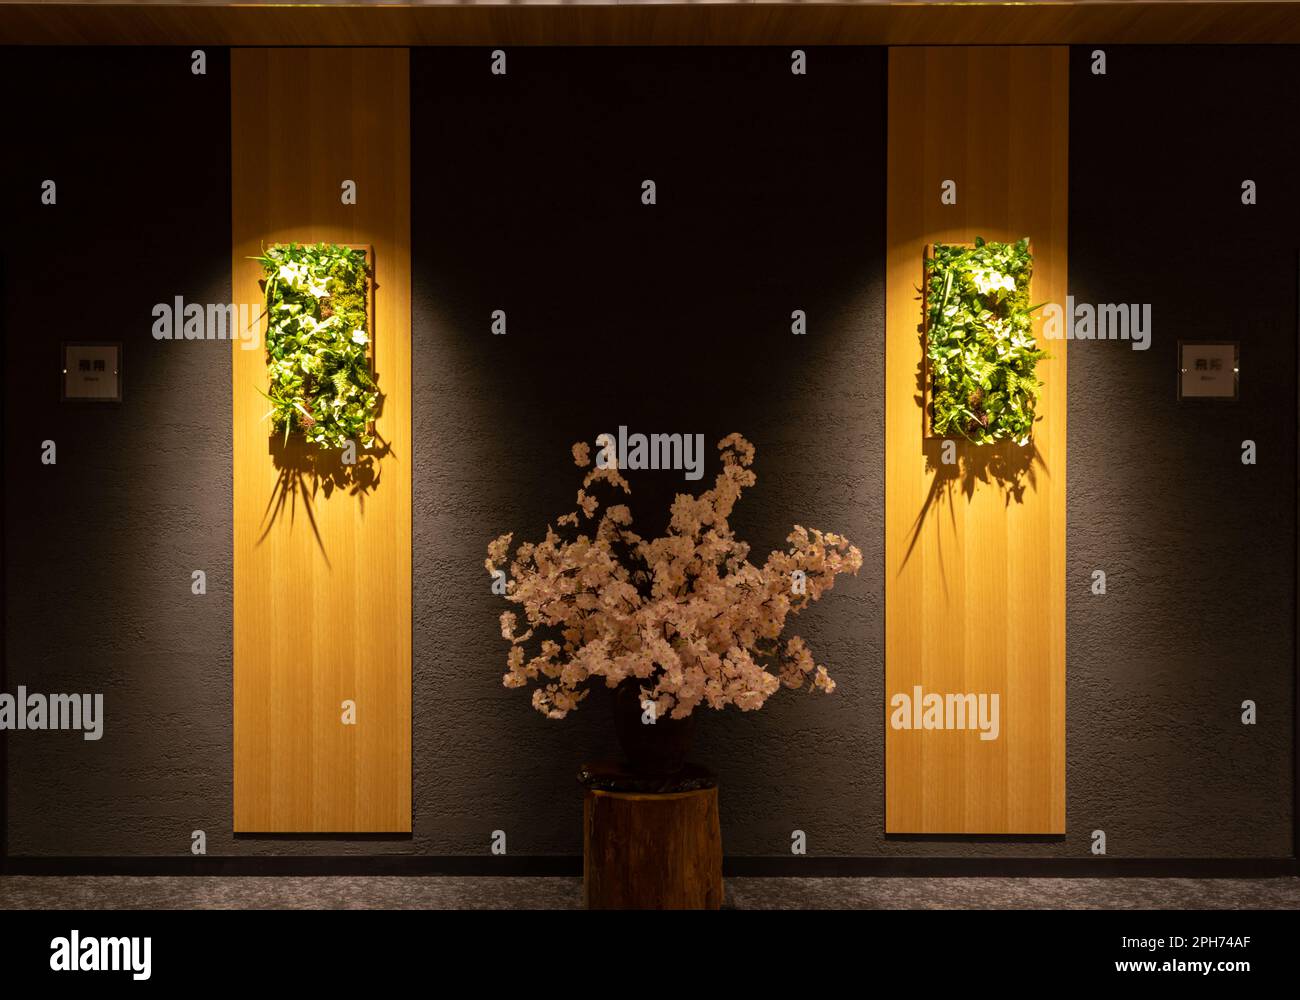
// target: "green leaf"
[[979, 341], [311, 354]]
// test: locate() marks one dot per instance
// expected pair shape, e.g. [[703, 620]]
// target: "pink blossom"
[[686, 613]]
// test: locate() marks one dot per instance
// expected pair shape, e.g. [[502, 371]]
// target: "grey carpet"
[[487, 893]]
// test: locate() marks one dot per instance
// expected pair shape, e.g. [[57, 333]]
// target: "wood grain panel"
[[556, 22], [322, 553], [975, 553]]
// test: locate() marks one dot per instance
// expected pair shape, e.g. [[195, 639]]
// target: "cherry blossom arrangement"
[[687, 613]]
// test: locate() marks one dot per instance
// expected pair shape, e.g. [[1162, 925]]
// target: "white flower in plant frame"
[[359, 337], [292, 274], [988, 281]]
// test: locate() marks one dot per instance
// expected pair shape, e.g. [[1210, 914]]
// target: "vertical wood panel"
[[322, 601], [975, 568]]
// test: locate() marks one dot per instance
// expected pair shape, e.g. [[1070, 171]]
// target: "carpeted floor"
[[496, 892]]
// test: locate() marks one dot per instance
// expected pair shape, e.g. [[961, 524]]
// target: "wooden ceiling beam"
[[746, 23]]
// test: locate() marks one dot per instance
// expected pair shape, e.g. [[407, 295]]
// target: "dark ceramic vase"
[[656, 749]]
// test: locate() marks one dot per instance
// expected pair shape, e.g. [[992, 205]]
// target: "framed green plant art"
[[320, 325], [980, 352]]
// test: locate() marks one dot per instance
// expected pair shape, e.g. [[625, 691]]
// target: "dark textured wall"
[[1199, 549], [671, 318], [666, 318], [99, 548], [623, 314]]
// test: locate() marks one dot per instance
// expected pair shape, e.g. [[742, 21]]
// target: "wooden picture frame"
[[371, 285], [927, 254]]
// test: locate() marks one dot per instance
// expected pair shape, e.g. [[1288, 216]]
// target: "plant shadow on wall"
[[977, 384], [323, 392], [670, 624]]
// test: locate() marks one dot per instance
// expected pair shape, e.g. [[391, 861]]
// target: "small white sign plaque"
[[92, 372], [1207, 369]]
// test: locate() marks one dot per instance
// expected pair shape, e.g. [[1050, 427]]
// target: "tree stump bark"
[[651, 850]]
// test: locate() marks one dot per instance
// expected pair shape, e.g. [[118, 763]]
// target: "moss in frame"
[[318, 341], [980, 351]]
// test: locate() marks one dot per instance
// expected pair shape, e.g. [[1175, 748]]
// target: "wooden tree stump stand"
[[650, 843]]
